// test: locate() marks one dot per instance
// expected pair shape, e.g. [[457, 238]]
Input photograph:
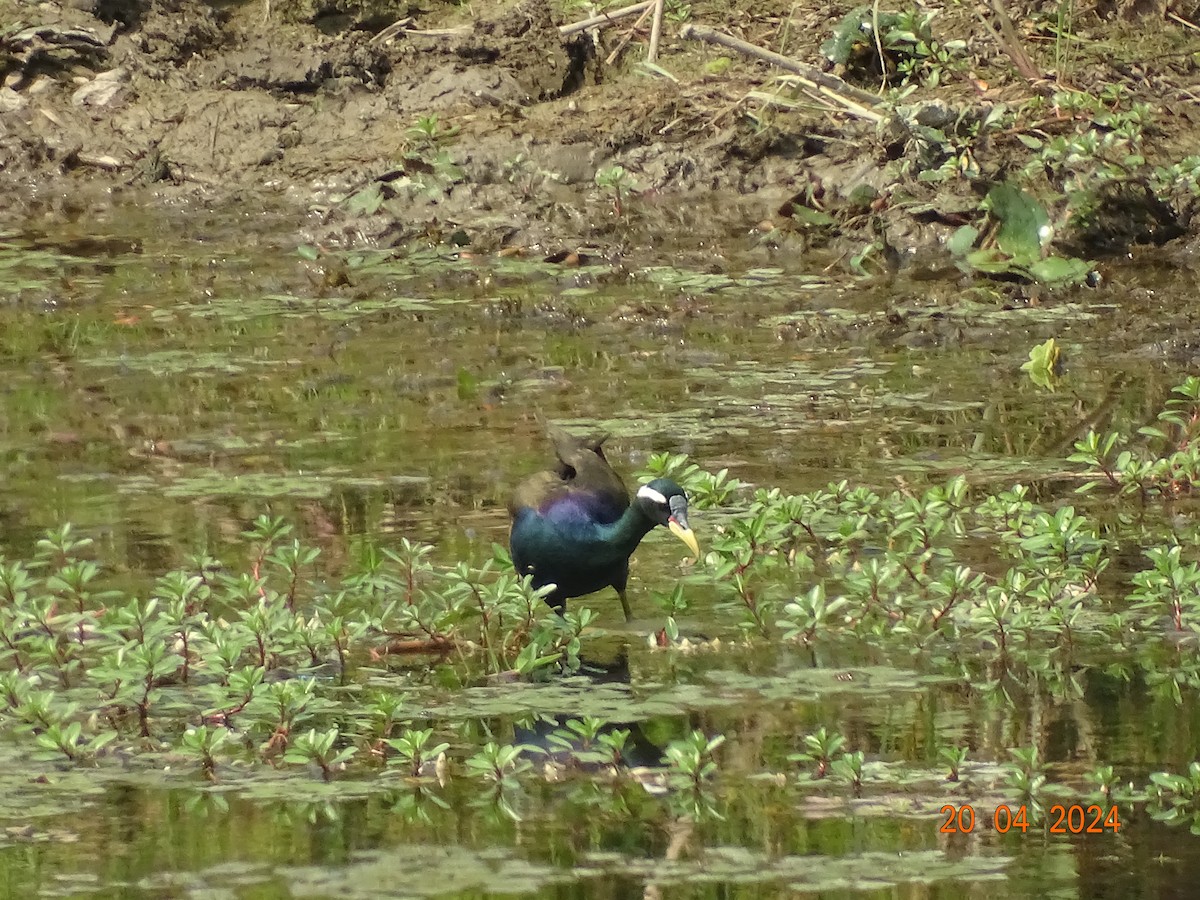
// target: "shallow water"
[[167, 380]]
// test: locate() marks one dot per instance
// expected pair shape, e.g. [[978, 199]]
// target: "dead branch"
[[605, 18], [855, 101], [1008, 41], [612, 57], [655, 31]]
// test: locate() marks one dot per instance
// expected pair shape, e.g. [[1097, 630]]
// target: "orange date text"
[[1073, 819]]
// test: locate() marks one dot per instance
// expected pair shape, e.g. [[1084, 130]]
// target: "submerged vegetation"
[[391, 665]]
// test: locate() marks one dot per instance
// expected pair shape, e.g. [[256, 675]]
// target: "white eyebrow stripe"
[[651, 494]]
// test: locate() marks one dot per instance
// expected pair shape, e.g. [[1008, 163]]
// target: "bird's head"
[[665, 503]]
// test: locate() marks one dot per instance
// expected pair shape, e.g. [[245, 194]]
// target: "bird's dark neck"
[[627, 532]]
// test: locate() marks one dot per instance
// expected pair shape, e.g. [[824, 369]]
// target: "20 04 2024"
[[1073, 819]]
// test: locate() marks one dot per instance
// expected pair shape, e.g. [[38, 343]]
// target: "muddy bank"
[[383, 125]]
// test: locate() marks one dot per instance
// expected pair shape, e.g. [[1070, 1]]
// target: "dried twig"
[[855, 101], [1182, 21], [438, 32], [612, 57], [391, 31], [1009, 42], [655, 31], [605, 18], [110, 163], [401, 26], [883, 70]]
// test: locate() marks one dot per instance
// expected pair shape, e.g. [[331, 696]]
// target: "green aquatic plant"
[[618, 182], [1044, 364], [420, 805], [501, 764], [1105, 780], [137, 669], [673, 605], [954, 758], [68, 739], [705, 490], [1181, 790], [610, 748], [414, 750], [821, 747], [1182, 177], [1170, 585], [1023, 234], [426, 166], [690, 760], [1103, 143], [1026, 774], [812, 613], [1174, 798], [223, 647], [318, 748], [905, 38], [1089, 153], [589, 742], [677, 12], [53, 723], [426, 154], [282, 707], [384, 714], [922, 56], [576, 736], [849, 768], [1167, 463], [205, 743]]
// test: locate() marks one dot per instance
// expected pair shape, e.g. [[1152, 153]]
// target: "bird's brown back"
[[582, 469]]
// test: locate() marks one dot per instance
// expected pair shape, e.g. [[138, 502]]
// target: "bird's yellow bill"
[[686, 535]]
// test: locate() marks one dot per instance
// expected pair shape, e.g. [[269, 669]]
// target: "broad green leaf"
[[989, 261], [962, 240], [846, 35], [804, 215], [1024, 223], [1059, 270]]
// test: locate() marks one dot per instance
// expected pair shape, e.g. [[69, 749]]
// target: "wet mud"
[[384, 123]]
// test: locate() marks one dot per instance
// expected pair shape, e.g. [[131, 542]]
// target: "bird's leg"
[[625, 604]]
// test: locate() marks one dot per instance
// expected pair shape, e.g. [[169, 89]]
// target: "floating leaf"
[[846, 35], [1024, 224], [811, 218], [1043, 363], [655, 69], [1059, 270], [367, 201], [962, 240], [468, 385]]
